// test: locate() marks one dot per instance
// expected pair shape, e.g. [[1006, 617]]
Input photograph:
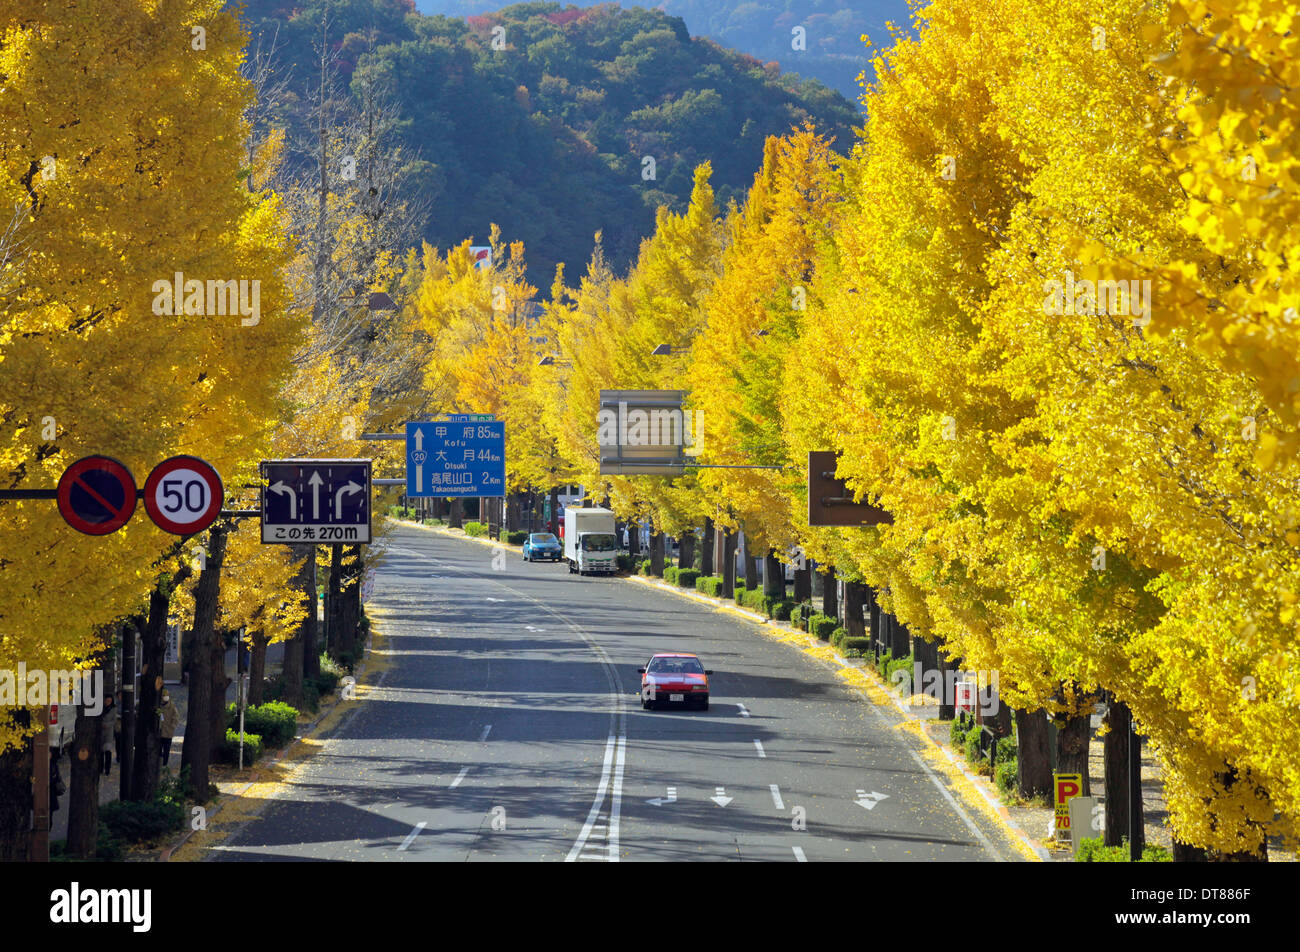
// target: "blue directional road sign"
[[316, 500], [446, 458]]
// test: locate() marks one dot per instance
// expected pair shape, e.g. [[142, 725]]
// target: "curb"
[[998, 808]]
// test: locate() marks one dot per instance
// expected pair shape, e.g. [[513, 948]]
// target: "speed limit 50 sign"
[[183, 495]]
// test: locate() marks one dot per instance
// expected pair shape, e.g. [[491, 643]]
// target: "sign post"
[[309, 501], [1067, 787]]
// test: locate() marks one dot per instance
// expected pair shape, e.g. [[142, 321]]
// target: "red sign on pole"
[[96, 495], [183, 495]]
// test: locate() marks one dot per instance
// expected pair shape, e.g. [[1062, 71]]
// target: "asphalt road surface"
[[509, 728]]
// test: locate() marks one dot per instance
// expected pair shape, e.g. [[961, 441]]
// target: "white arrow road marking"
[[459, 777], [776, 796], [671, 798], [491, 599], [281, 487], [410, 837], [721, 800], [743, 712], [759, 745], [798, 854], [487, 730], [351, 487], [315, 483], [616, 798], [869, 800]]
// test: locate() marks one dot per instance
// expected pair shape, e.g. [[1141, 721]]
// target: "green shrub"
[[903, 664], [1004, 775], [838, 636], [275, 722], [645, 566], [822, 625], [1094, 850], [781, 609], [133, 822], [229, 750], [1005, 752], [517, 537], [800, 614], [739, 593], [331, 673], [958, 728], [670, 574], [685, 577], [856, 643], [709, 585], [971, 747], [401, 512], [625, 563], [475, 529]]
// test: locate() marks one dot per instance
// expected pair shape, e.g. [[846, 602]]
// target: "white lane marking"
[[487, 730], [743, 712], [759, 745], [721, 800], [616, 799], [798, 854], [671, 798], [596, 804], [869, 800], [410, 837], [776, 796], [459, 777]]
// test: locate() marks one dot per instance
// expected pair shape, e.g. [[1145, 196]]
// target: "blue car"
[[542, 545]]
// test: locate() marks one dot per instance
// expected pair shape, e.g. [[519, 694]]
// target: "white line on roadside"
[[410, 837], [776, 796], [459, 777], [487, 730], [759, 744], [596, 804], [616, 799], [798, 854]]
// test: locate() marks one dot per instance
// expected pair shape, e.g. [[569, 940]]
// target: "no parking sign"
[[96, 495]]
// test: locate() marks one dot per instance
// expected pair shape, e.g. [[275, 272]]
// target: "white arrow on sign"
[[721, 800], [351, 487], [419, 478], [869, 800], [419, 438], [281, 487], [315, 483], [671, 798]]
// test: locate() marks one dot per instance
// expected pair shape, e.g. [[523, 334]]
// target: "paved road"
[[509, 728]]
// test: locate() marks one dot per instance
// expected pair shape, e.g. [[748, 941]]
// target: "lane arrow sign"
[[419, 439], [721, 800], [351, 487], [869, 800], [419, 477], [671, 798], [285, 489], [315, 483]]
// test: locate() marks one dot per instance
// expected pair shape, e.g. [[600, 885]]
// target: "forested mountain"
[[831, 52], [553, 122]]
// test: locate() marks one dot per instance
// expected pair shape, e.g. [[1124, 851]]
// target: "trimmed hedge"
[[229, 750], [800, 614], [670, 574], [517, 537], [475, 529], [686, 577], [625, 563], [274, 722], [1095, 850], [856, 643], [822, 625], [709, 585], [838, 636], [903, 664], [134, 822]]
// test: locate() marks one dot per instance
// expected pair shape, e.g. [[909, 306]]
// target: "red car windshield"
[[675, 666]]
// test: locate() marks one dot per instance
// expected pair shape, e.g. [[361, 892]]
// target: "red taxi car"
[[674, 678]]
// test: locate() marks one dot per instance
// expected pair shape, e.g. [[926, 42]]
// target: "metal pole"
[[1134, 790], [240, 692], [40, 840], [126, 716]]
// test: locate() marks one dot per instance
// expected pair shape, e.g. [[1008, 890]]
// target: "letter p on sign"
[[1067, 787]]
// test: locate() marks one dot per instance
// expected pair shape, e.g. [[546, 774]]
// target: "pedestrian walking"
[[107, 728], [57, 789], [167, 718]]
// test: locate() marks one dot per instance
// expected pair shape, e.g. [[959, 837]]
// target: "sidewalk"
[[110, 786]]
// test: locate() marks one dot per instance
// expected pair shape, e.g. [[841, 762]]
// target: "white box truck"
[[589, 541]]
